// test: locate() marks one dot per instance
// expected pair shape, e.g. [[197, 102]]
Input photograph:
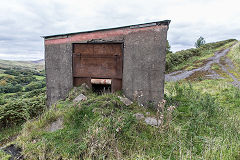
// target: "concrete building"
[[129, 58]]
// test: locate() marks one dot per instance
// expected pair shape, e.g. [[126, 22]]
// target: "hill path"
[[225, 64]]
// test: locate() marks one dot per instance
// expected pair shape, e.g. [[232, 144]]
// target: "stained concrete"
[[143, 61], [58, 67]]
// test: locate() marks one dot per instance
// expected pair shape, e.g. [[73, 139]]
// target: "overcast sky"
[[22, 22]]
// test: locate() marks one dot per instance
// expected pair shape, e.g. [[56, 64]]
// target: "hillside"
[[200, 119], [35, 65]]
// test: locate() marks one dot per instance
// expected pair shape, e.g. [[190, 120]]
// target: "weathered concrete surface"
[[148, 120], [56, 125], [143, 61], [125, 100], [80, 98], [152, 121], [58, 67], [144, 65], [139, 116]]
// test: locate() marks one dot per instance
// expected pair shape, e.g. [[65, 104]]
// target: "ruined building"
[[129, 58]]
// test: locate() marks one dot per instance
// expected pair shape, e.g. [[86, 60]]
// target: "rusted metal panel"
[[116, 84], [78, 81], [98, 61]]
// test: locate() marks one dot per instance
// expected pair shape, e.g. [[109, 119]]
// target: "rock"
[[85, 86], [14, 151], [152, 121], [139, 116], [80, 98], [125, 100], [56, 125]]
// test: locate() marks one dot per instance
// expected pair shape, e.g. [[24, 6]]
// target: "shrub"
[[35, 85], [18, 111], [11, 88]]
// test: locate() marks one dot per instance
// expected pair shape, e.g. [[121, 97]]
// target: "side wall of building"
[[58, 67], [143, 64]]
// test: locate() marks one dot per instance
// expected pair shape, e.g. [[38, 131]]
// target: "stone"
[[80, 98], [125, 100], [56, 125], [85, 86], [139, 116], [14, 151], [152, 121]]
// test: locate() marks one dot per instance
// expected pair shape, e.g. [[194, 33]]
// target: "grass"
[[215, 66], [7, 134], [3, 74], [104, 128], [194, 58], [234, 55], [4, 156]]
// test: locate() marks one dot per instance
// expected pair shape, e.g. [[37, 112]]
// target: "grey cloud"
[[23, 22]]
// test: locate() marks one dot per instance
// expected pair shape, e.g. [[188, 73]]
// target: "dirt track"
[[219, 58]]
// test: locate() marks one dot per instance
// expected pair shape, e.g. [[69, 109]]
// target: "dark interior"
[[101, 88]]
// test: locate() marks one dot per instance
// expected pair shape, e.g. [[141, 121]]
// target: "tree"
[[200, 41], [168, 48]]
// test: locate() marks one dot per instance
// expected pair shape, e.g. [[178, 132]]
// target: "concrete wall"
[[58, 67], [143, 63]]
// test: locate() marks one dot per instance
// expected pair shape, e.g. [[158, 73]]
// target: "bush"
[[20, 110], [11, 88], [2, 100], [35, 85]]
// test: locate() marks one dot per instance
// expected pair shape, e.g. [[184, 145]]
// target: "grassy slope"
[[205, 125], [193, 58], [104, 128]]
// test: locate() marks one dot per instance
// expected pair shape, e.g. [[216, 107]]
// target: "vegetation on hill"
[[195, 56], [102, 127], [22, 97], [33, 65]]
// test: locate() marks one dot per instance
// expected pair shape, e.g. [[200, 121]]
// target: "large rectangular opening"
[[93, 62]]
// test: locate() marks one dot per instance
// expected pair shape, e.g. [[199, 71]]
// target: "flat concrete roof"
[[165, 22]]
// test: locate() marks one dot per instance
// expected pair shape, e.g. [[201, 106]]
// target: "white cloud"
[[22, 22]]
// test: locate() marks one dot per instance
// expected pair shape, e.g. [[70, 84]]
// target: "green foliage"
[[6, 134], [2, 100], [102, 127], [35, 85], [15, 79], [200, 41], [168, 48], [180, 57], [10, 88], [20, 110], [4, 156]]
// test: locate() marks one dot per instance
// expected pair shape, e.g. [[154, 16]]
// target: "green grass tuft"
[[102, 127]]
